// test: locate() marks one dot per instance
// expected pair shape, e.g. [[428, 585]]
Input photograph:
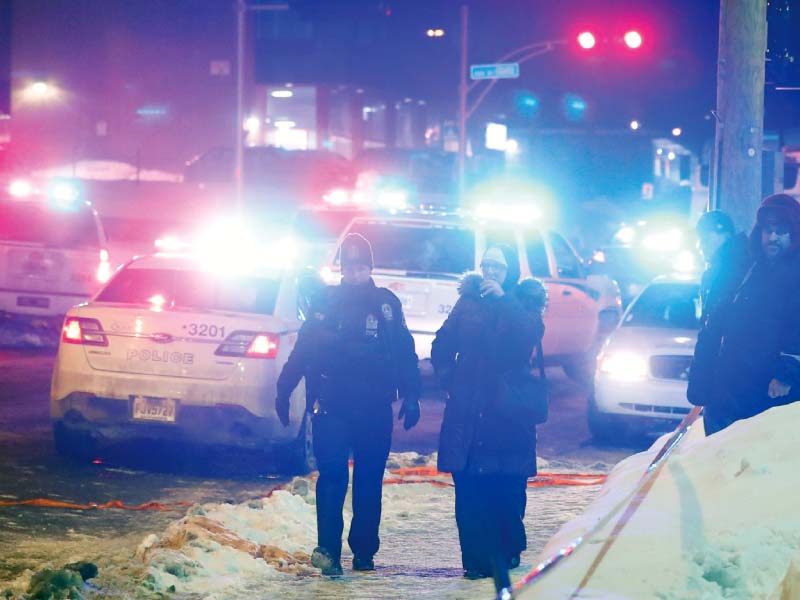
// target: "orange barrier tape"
[[47, 503], [433, 482], [541, 479]]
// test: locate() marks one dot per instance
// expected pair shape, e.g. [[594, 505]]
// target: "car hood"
[[652, 340]]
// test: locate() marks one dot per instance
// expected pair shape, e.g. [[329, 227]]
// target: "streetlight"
[[676, 131], [635, 125]]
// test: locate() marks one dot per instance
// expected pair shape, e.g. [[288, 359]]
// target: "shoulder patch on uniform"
[[387, 312]]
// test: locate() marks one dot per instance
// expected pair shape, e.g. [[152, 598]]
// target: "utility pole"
[[462, 103], [736, 183]]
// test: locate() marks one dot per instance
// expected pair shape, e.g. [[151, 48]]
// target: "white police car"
[[421, 257], [53, 252], [187, 348], [643, 369]]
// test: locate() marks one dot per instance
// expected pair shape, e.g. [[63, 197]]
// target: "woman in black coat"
[[492, 330]]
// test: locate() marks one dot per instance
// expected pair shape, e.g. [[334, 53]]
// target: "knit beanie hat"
[[356, 250]]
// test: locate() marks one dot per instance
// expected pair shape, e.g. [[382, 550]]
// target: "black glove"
[[410, 412], [282, 408]]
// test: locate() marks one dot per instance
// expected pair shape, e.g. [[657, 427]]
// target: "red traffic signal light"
[[633, 39], [586, 40]]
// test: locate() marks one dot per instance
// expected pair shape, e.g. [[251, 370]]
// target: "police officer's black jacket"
[[482, 339], [719, 282], [354, 348]]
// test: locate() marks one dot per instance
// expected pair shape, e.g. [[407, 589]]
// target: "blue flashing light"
[[527, 103]]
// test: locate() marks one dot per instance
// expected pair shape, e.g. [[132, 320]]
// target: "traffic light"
[[633, 39], [586, 40]]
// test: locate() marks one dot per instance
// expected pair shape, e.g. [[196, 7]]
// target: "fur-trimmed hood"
[[531, 292]]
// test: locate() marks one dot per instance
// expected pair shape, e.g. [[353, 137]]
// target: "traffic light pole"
[[736, 183], [463, 90], [464, 112]]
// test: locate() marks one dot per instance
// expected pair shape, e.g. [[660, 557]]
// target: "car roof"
[[441, 218], [187, 261]]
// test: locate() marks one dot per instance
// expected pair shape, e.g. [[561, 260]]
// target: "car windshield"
[[435, 249], [668, 305], [322, 224], [41, 224], [192, 289]]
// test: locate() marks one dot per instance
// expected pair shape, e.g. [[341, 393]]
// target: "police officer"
[[357, 356]]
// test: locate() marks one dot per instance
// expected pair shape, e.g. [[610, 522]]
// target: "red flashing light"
[[250, 344], [633, 39], [586, 40]]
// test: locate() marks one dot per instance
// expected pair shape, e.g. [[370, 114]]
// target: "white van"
[[422, 257], [53, 255]]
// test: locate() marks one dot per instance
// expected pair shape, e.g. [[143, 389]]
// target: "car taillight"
[[250, 344], [104, 268], [78, 330]]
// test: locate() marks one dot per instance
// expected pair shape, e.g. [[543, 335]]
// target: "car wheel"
[[604, 428], [297, 458], [580, 368], [74, 444]]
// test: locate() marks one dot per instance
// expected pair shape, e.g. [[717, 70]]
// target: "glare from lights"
[[282, 93], [626, 235], [512, 147], [252, 124], [624, 366], [586, 40], [682, 340], [393, 199], [20, 188], [666, 241], [599, 256], [285, 124], [685, 262], [671, 156], [63, 193], [103, 271], [633, 39], [157, 301], [509, 213], [170, 243], [635, 125], [435, 33], [40, 91], [328, 276], [676, 131], [337, 197], [660, 151]]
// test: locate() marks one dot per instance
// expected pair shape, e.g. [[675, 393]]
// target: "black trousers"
[[368, 434], [489, 512]]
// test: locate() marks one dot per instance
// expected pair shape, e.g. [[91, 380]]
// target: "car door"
[[571, 316]]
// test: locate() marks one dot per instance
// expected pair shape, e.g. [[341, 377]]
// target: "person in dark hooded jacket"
[[727, 256], [757, 363], [492, 330]]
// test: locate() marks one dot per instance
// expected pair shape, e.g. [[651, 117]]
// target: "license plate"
[[161, 410], [33, 301]]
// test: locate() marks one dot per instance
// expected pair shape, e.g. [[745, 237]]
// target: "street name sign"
[[494, 71]]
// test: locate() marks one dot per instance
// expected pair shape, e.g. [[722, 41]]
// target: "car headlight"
[[624, 366]]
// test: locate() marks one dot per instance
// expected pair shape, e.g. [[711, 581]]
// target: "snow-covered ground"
[[721, 521], [261, 548]]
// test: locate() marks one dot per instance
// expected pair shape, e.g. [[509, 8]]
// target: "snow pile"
[[721, 521], [221, 546]]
